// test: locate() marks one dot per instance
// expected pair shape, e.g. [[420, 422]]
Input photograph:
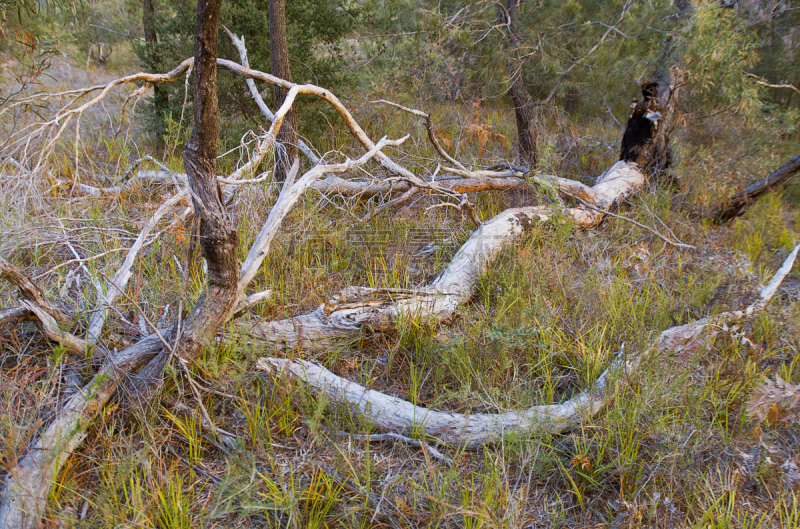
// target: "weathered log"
[[472, 431], [361, 310], [461, 430], [736, 205], [364, 189], [13, 314]]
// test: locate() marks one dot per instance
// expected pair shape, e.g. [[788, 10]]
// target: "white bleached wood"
[[457, 429], [238, 42], [290, 193], [123, 275], [74, 345], [471, 431], [356, 311], [27, 485], [688, 337]]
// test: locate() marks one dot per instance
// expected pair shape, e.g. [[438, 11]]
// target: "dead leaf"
[[775, 401], [791, 474]]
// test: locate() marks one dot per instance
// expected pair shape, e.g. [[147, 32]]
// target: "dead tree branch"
[[124, 274], [736, 205], [30, 291], [356, 311], [28, 482], [472, 431]]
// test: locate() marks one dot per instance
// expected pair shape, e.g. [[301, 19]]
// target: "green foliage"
[[25, 38], [718, 49], [314, 29]]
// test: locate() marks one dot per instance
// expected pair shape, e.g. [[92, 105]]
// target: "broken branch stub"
[[650, 124], [30, 291]]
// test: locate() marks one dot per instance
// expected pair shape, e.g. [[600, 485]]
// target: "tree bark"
[[286, 145], [650, 125], [736, 205], [151, 45], [30, 290], [523, 108], [218, 234]]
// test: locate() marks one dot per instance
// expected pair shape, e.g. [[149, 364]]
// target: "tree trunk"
[[286, 145], [523, 109], [650, 125], [151, 44], [218, 234]]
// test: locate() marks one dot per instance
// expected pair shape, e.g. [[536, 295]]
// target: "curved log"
[[357, 310], [472, 431], [457, 429]]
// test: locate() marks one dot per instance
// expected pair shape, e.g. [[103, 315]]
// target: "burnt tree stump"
[[650, 125]]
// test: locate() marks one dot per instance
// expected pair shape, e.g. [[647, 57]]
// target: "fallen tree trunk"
[[362, 310], [472, 431], [736, 205], [456, 429]]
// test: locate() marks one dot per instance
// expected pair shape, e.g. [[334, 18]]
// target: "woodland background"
[[702, 435]]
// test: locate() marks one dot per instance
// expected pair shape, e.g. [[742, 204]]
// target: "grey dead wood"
[[474, 430], [736, 205]]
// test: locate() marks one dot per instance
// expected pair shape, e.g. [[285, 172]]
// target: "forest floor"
[[675, 447]]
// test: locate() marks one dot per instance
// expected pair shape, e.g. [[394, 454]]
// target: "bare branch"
[[124, 274], [29, 290], [475, 430]]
